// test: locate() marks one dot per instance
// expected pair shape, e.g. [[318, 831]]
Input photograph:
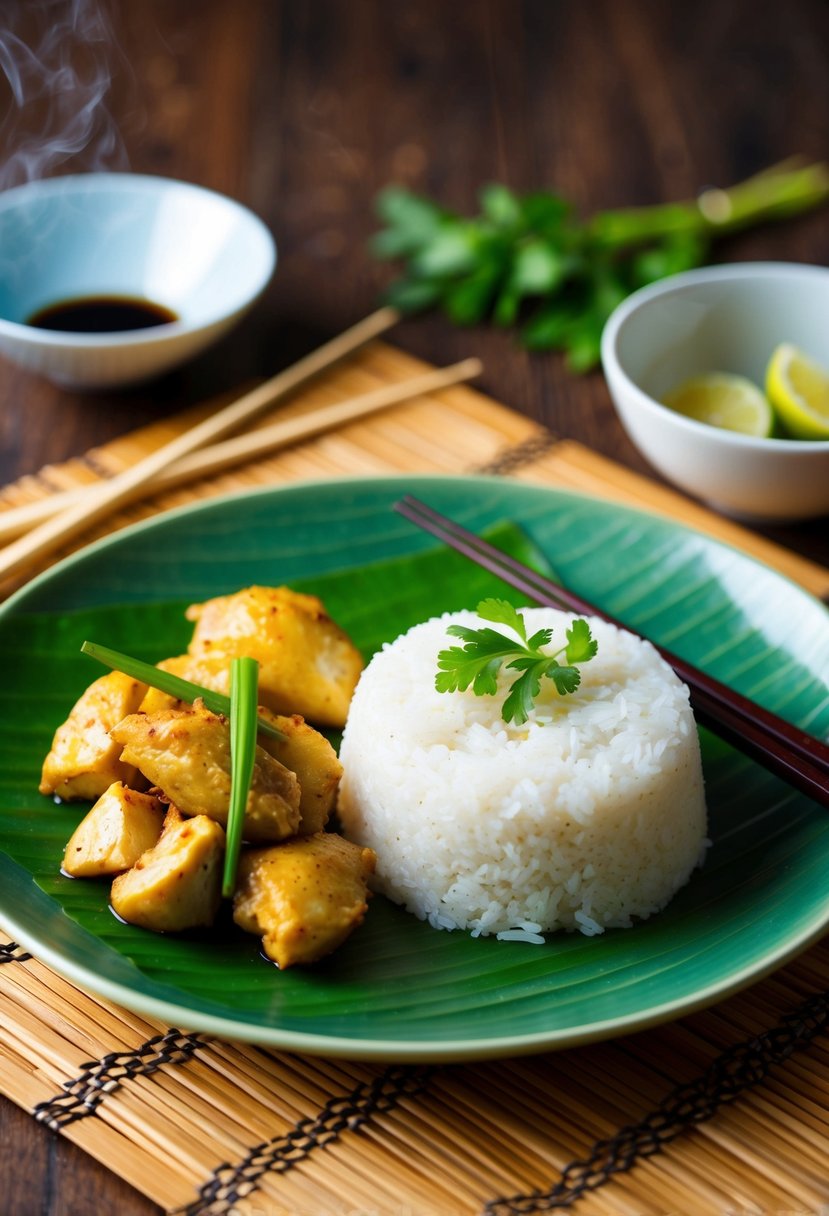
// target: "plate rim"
[[411, 1051], [310, 484], [401, 1050]]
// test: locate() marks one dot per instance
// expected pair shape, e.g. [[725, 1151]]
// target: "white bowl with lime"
[[721, 378]]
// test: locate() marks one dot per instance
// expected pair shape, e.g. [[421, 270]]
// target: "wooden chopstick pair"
[[55, 520], [799, 758]]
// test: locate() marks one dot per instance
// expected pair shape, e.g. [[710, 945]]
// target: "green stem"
[[165, 681], [780, 191], [243, 680]]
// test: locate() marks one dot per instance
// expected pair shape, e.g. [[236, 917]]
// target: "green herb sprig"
[[244, 674], [165, 681], [527, 261], [478, 662]]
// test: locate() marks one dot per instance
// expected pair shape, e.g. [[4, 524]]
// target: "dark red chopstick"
[[799, 758]]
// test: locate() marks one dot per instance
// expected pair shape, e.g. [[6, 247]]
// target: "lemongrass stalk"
[[165, 681], [243, 685], [780, 191]]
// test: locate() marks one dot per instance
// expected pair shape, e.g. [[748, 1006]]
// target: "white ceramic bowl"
[[203, 257], [729, 319]]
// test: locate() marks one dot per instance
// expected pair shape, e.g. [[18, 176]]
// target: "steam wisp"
[[55, 56]]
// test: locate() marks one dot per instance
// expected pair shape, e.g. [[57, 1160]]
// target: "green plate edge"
[[475, 501]]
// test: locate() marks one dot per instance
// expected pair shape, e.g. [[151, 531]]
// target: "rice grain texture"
[[588, 816]]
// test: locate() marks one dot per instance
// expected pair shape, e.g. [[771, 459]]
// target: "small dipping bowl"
[[188, 251], [721, 319]]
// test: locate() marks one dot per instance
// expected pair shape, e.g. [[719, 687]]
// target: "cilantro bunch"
[[478, 662], [528, 261]]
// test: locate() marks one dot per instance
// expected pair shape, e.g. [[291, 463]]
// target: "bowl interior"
[[188, 249], [723, 324]]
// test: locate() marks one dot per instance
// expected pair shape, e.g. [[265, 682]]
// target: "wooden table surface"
[[304, 111]]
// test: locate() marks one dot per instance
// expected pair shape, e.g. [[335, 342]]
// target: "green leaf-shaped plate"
[[398, 989]]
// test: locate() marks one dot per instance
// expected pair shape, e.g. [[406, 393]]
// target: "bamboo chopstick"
[[130, 484], [799, 758], [220, 456]]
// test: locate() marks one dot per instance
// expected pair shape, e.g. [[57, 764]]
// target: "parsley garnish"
[[478, 662]]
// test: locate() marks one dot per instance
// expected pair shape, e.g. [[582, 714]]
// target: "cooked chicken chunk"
[[154, 698], [204, 671], [121, 826], [185, 753], [307, 664], [304, 897], [308, 754], [177, 884], [84, 761], [304, 750]]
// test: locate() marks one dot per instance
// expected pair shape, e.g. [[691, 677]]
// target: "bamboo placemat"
[[721, 1112]]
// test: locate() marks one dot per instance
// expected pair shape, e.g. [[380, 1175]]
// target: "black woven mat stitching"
[[740, 1067], [230, 1183], [10, 952], [83, 1095], [512, 458]]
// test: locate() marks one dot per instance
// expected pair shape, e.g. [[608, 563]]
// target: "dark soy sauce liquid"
[[101, 315]]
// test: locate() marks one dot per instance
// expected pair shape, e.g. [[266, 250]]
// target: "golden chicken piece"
[[204, 671], [121, 826], [177, 884], [185, 753], [304, 897], [308, 754], [154, 699], [304, 750], [307, 664], [84, 761]]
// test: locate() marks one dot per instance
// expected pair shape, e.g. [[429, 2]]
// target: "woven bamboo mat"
[[722, 1112]]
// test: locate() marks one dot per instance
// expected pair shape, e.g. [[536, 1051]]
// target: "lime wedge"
[[798, 388], [729, 402]]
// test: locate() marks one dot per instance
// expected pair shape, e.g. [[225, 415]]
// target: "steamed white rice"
[[589, 815]]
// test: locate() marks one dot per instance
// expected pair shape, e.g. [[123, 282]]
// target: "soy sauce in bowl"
[[124, 238], [101, 315]]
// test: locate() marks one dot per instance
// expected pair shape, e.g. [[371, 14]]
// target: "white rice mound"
[[587, 816]]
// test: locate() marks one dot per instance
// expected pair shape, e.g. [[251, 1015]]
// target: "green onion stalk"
[[243, 709], [174, 686]]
